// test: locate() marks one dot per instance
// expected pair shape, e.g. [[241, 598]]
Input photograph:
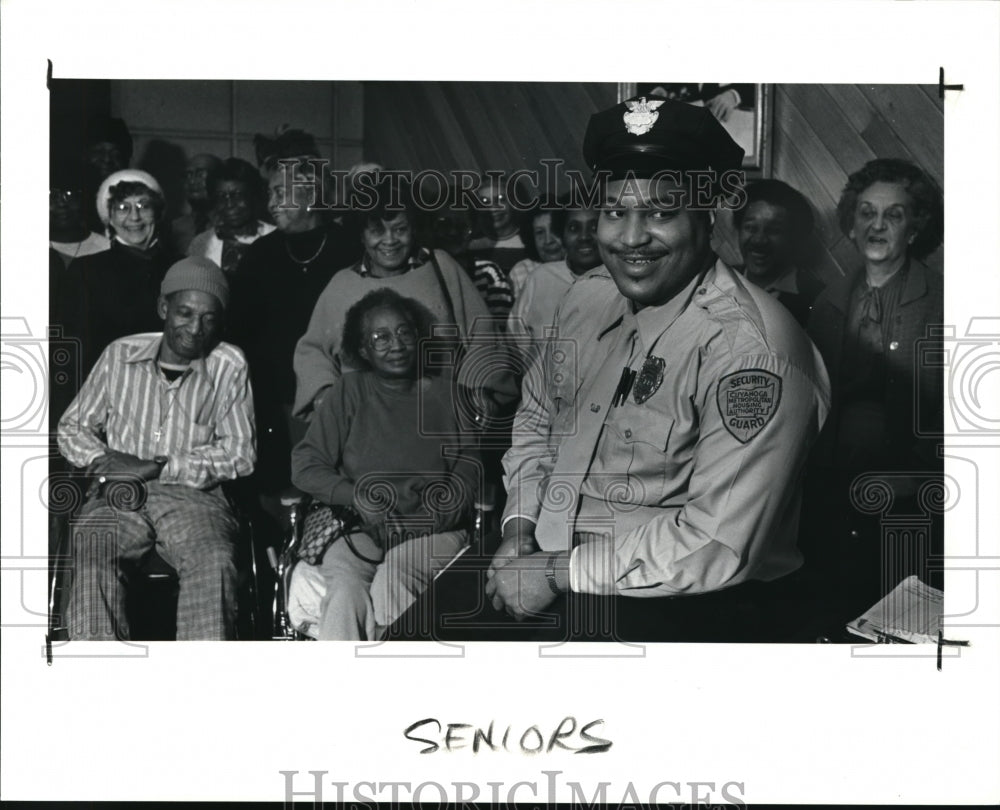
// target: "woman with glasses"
[[122, 284], [393, 259], [384, 444], [237, 195]]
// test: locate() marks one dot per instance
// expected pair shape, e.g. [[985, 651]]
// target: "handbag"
[[323, 526]]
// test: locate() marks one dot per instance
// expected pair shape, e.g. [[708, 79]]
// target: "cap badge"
[[641, 115]]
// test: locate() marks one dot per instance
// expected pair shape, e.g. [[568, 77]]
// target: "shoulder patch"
[[747, 401]]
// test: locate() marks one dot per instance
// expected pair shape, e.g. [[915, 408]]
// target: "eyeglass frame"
[[124, 208], [404, 333]]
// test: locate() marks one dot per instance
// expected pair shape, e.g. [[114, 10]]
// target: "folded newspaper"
[[910, 613]]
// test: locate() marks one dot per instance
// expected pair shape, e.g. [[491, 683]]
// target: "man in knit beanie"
[[162, 420]]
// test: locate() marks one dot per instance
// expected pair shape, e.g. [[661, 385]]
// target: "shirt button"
[[893, 346], [594, 407], [628, 434], [702, 290]]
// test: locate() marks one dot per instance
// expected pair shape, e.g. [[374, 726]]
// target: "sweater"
[[402, 444]]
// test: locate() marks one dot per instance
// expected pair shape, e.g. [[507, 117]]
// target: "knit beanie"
[[197, 273], [124, 176]]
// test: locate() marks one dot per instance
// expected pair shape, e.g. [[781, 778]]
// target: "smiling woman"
[[393, 259], [876, 331], [121, 285]]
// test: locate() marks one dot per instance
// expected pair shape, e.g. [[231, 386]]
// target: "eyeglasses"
[[381, 340], [124, 209], [65, 195]]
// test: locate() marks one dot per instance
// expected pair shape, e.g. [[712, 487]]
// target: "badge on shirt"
[[649, 380], [747, 401]]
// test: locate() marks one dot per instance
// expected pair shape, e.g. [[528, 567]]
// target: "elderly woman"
[[393, 259], [871, 328], [121, 285], [867, 325], [376, 447], [542, 241], [280, 279], [237, 197]]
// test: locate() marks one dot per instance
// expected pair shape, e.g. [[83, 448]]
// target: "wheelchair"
[[295, 506], [151, 604]]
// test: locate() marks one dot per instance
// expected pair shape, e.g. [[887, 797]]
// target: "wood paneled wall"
[[479, 125], [820, 134], [823, 133]]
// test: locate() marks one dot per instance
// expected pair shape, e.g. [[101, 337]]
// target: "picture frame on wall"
[[745, 110]]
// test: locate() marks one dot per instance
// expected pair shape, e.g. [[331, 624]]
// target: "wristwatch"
[[550, 573]]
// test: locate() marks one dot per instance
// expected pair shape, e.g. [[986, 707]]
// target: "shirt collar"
[[149, 352], [652, 322]]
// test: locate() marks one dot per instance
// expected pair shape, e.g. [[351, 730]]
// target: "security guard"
[[663, 431]]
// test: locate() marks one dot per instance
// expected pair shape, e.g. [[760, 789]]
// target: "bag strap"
[[449, 302]]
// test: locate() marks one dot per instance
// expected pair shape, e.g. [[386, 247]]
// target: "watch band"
[[550, 573]]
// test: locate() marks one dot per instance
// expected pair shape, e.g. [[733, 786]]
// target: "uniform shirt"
[[519, 275], [536, 306], [202, 421], [693, 481]]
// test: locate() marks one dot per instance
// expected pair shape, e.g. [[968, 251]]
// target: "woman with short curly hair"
[[868, 324], [879, 332], [385, 444]]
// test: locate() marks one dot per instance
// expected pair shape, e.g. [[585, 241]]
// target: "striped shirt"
[[202, 421]]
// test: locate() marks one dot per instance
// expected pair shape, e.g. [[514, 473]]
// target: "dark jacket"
[[915, 424], [120, 289]]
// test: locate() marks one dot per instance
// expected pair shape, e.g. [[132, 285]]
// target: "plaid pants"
[[193, 531]]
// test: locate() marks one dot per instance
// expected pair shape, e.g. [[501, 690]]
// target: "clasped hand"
[[515, 580], [115, 466]]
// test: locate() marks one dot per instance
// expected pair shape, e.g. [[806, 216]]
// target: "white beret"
[[124, 176]]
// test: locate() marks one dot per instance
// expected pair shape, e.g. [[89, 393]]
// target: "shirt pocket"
[[643, 440], [201, 435]]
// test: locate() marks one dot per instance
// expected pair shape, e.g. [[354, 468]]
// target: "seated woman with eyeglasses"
[[384, 442], [393, 258]]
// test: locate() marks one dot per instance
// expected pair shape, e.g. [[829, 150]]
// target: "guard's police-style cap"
[[646, 135]]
